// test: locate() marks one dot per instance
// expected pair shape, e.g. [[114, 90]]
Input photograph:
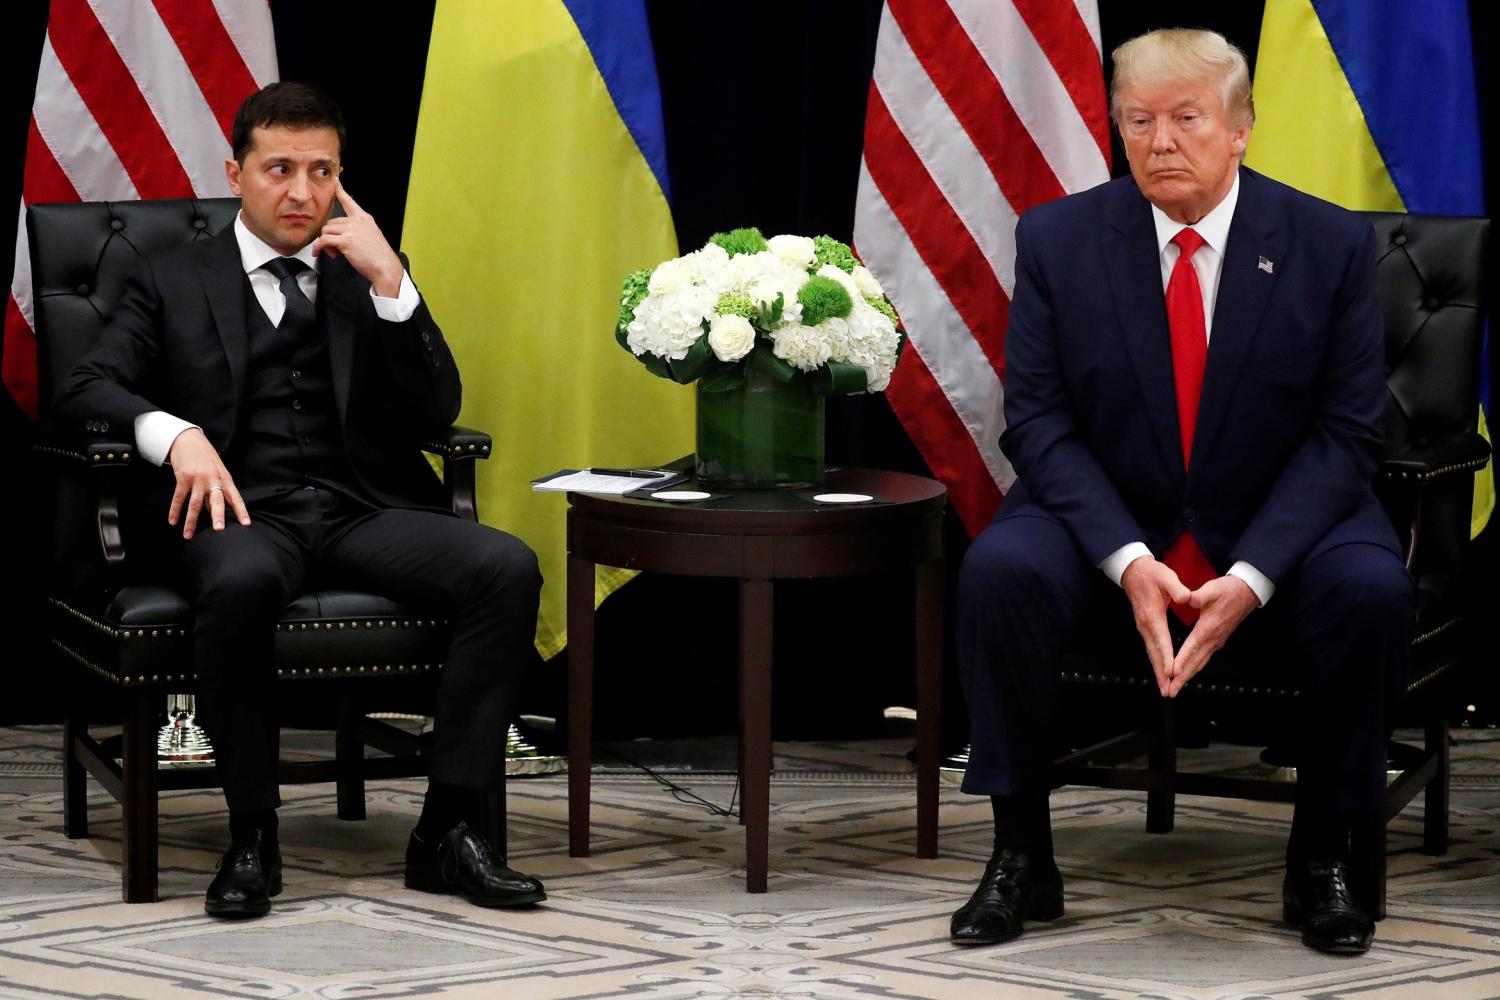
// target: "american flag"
[[979, 109], [133, 100]]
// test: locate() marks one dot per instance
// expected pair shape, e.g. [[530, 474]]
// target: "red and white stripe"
[[979, 109], [133, 100]]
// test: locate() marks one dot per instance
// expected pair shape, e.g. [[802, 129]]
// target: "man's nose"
[[299, 188], [1162, 138]]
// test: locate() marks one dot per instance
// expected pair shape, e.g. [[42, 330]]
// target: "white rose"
[[798, 251], [866, 283], [731, 337], [670, 276]]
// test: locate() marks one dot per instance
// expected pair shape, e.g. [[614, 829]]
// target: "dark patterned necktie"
[[299, 316]]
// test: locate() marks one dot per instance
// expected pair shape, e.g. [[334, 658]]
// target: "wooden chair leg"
[[1435, 797], [75, 779], [1368, 847], [349, 749], [1161, 806], [139, 768]]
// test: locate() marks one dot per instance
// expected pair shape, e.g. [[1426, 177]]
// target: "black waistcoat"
[[292, 435]]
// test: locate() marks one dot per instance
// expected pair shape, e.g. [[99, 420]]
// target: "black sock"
[[1023, 823], [444, 808], [243, 821]]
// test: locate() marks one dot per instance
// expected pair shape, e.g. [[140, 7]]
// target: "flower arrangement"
[[791, 306]]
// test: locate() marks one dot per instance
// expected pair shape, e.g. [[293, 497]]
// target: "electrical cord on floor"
[[681, 794]]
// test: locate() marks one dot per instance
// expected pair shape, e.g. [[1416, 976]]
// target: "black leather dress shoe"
[[1015, 888], [462, 863], [249, 875], [1316, 897]]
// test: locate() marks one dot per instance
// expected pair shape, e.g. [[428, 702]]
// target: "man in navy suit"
[[1193, 393]]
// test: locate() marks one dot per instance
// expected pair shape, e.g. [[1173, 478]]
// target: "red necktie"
[[1189, 353]]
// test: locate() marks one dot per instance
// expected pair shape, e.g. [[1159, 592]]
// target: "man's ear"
[[1240, 139], [232, 174]]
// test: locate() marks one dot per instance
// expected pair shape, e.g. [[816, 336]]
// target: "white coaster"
[[679, 495], [843, 498]]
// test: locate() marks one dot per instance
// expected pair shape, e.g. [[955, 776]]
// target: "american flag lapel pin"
[[1266, 265]]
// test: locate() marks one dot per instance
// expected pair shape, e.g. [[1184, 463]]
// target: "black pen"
[[629, 473]]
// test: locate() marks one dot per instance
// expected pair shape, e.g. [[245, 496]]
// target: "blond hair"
[[1184, 56]]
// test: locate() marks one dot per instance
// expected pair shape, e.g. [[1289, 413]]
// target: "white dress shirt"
[[156, 431], [1208, 264]]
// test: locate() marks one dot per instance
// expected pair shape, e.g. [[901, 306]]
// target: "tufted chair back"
[[80, 262], [1430, 281]]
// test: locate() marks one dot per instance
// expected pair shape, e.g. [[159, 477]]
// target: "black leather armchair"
[[131, 634], [1430, 284]]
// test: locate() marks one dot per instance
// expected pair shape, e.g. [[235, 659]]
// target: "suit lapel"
[[1135, 283], [224, 284], [336, 288], [1244, 289]]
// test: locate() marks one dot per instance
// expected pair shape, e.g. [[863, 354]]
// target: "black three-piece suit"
[[319, 424]]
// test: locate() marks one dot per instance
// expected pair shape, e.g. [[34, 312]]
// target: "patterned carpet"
[[659, 911]]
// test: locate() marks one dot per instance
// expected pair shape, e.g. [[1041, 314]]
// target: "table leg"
[[580, 701], [929, 656], [755, 723]]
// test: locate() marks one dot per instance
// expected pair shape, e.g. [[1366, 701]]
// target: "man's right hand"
[[201, 479], [1151, 585]]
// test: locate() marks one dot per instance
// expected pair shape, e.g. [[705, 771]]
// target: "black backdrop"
[[804, 84]]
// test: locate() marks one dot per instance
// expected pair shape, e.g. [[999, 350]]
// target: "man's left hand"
[[1222, 605], [359, 240]]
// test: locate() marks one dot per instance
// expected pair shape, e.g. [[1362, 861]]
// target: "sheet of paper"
[[590, 482]]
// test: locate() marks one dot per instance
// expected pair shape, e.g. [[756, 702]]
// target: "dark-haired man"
[[285, 371]]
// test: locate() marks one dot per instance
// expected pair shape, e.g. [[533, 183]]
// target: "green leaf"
[[840, 378], [730, 376], [655, 364], [699, 359], [763, 359], [770, 315]]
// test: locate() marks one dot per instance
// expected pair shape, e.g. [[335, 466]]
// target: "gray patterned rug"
[[659, 911]]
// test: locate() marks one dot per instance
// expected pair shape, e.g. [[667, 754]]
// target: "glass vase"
[[765, 434]]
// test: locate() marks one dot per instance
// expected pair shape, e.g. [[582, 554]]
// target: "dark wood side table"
[[758, 537]]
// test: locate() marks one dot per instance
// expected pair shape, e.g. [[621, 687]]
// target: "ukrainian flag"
[[538, 182], [1374, 104]]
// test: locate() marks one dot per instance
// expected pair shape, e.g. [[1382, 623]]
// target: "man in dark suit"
[[1194, 386], [283, 374]]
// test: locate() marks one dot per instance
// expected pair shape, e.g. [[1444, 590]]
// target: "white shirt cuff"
[[1115, 564], [155, 433], [1256, 580], [399, 309]]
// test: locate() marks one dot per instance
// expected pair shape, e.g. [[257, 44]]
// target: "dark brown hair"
[[295, 105]]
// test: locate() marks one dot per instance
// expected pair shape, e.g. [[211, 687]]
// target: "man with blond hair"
[[1193, 395]]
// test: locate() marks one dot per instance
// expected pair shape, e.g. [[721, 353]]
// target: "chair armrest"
[[106, 463], [97, 454], [459, 450], [460, 443], [1462, 453]]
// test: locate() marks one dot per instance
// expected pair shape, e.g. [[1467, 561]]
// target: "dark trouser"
[[241, 579], [1340, 624]]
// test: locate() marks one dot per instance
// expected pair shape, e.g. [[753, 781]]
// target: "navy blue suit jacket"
[[1288, 428]]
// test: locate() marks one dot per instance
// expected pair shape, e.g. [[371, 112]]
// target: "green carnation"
[[821, 298], [740, 241], [631, 293], [736, 304], [882, 306], [827, 250]]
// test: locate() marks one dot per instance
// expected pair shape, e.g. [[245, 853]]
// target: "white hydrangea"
[[668, 324], [806, 348]]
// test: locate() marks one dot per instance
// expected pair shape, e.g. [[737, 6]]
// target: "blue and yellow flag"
[[538, 182], [1374, 105]]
